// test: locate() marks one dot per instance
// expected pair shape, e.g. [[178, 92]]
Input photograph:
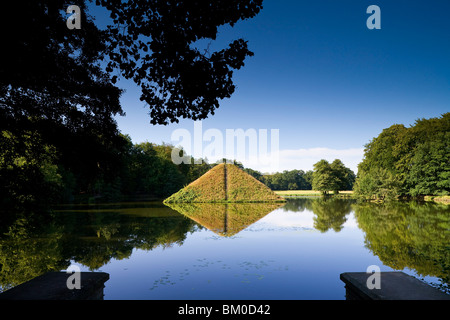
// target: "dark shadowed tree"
[[57, 86], [52, 89], [154, 43]]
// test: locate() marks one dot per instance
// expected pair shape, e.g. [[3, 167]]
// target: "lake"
[[289, 251]]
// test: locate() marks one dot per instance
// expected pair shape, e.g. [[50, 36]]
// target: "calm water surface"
[[248, 251]]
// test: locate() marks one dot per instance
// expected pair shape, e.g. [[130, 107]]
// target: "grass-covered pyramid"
[[225, 183]]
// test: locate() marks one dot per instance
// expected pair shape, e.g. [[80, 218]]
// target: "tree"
[[332, 177], [150, 171], [28, 173], [344, 175], [52, 87], [57, 83], [155, 43], [379, 184], [430, 167], [286, 180], [324, 178], [308, 179]]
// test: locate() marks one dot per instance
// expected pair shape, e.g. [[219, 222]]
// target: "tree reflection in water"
[[409, 235], [402, 234], [32, 244]]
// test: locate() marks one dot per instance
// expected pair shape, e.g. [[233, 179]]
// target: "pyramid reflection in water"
[[225, 219]]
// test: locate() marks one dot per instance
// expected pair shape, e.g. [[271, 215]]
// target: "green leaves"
[[379, 184], [59, 84], [177, 80], [404, 161], [332, 177], [28, 173], [430, 167]]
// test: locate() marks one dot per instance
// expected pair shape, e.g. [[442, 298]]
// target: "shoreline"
[[445, 200]]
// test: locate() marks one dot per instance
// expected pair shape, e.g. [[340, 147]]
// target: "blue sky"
[[327, 82]]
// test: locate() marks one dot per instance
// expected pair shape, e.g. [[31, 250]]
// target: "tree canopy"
[[286, 180], [332, 177], [58, 92], [154, 43], [57, 105], [403, 161]]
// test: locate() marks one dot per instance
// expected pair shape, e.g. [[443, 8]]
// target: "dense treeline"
[[58, 93], [407, 162], [34, 172], [58, 136], [145, 169], [286, 180]]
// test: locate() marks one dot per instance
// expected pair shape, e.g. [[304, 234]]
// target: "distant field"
[[297, 193], [439, 199]]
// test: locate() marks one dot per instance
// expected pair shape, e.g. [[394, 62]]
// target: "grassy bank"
[[311, 193], [438, 199], [350, 195]]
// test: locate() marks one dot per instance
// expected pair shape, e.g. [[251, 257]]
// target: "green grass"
[[242, 187], [310, 193], [438, 199]]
